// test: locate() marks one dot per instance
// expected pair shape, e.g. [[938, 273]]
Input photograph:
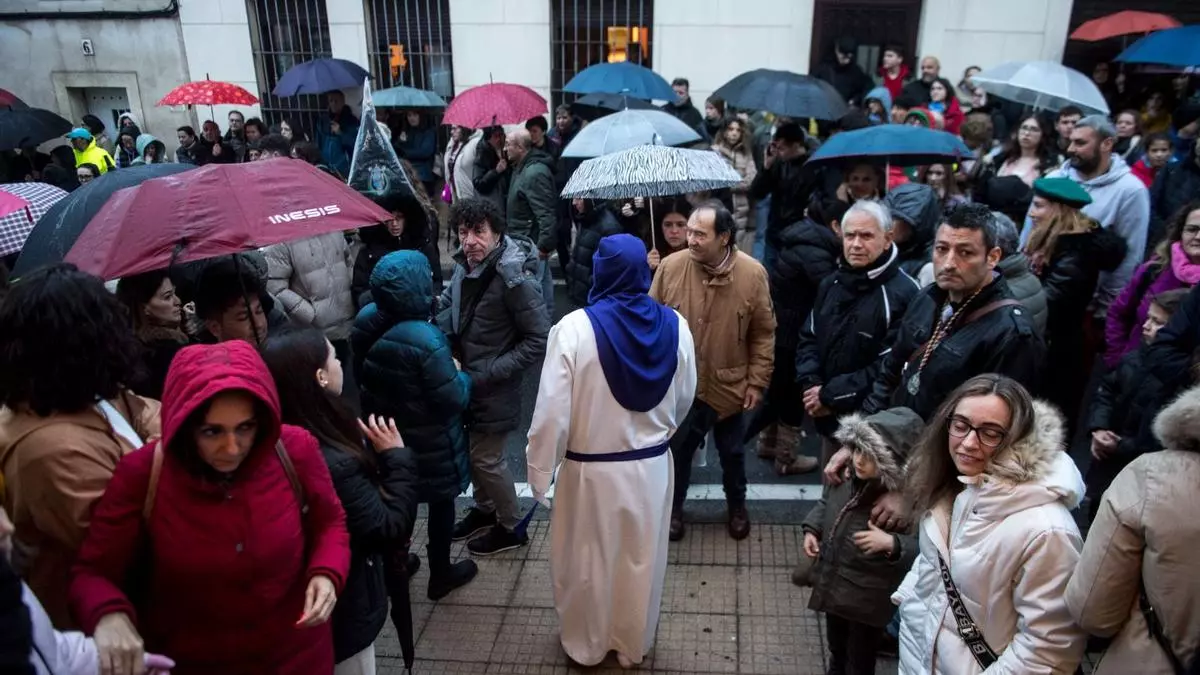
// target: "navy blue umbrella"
[[1178, 47], [783, 93], [25, 126], [621, 78], [896, 144], [319, 76], [56, 231]]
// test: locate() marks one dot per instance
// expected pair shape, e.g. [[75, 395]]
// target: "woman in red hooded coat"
[[231, 566]]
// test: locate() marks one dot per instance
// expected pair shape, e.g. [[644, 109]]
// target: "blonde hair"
[[1068, 221]]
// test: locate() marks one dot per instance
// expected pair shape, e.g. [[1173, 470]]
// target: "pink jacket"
[[1123, 327]]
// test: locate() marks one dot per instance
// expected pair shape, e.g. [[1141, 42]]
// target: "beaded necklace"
[[939, 333]]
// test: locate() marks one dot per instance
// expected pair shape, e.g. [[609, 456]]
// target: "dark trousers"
[[728, 434], [440, 527], [852, 646], [564, 228]]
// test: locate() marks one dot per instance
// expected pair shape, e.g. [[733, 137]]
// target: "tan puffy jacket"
[[1146, 528], [732, 322], [311, 279]]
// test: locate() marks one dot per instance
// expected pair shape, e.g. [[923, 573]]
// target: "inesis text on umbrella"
[[306, 213]]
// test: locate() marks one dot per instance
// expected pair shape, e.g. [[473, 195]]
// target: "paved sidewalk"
[[728, 607]]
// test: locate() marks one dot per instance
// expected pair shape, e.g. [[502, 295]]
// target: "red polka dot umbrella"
[[208, 92], [492, 104]]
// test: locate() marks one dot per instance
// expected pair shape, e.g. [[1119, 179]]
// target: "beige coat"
[[311, 279], [55, 469], [742, 161], [1146, 528], [732, 322]]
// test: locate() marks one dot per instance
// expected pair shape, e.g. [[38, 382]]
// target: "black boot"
[[460, 574]]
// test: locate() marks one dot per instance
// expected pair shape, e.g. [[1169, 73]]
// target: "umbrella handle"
[[653, 226]]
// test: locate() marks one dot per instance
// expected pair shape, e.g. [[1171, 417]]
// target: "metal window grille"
[[586, 32], [284, 33], [409, 44]]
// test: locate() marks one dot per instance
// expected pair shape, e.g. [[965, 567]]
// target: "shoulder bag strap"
[[1156, 629], [967, 630], [988, 309], [293, 478], [152, 488]]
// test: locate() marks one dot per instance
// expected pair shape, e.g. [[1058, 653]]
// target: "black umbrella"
[[20, 127], [594, 106], [398, 572], [783, 93], [56, 232]]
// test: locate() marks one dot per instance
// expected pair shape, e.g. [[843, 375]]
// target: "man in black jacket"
[[682, 108], [855, 318], [844, 74], [966, 324], [1174, 187], [784, 180], [491, 168], [494, 316], [596, 221]]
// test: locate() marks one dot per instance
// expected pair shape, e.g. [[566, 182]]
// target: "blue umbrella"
[[783, 93], [594, 106], [1172, 47], [319, 76], [898, 144], [627, 129], [621, 78], [407, 97]]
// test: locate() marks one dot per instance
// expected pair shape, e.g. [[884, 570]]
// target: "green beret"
[[1062, 190]]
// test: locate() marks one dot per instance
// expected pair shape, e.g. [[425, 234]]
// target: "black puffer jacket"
[[1174, 186], [856, 316], [378, 242], [497, 319], [403, 366], [789, 187], [919, 206], [377, 525], [808, 252], [1001, 341], [595, 224]]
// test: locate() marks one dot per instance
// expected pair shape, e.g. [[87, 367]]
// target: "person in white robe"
[[618, 380]]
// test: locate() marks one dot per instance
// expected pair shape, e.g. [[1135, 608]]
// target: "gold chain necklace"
[[939, 334]]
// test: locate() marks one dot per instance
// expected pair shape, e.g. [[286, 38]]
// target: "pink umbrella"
[[10, 202], [494, 104]]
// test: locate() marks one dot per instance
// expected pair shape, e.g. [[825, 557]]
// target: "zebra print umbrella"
[[650, 171]]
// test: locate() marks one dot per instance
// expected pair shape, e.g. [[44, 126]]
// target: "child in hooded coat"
[[858, 565]]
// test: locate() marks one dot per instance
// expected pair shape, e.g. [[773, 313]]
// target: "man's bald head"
[[518, 145]]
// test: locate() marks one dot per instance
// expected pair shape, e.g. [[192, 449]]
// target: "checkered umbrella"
[[16, 226]]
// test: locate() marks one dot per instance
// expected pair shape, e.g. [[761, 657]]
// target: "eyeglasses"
[[1191, 230], [1030, 130], [961, 427]]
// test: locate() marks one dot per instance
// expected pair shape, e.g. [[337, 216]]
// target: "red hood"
[[901, 74], [200, 372]]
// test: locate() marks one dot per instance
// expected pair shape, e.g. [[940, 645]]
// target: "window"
[[409, 44], [282, 34], [587, 32]]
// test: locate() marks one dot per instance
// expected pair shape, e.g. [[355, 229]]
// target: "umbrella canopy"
[[319, 76], [56, 231], [650, 171], [206, 212], [627, 129], [1042, 84], [10, 100], [20, 127], [595, 106], [408, 97], [10, 202], [897, 144], [783, 93], [1174, 47], [492, 104], [208, 92], [15, 226], [1128, 22], [621, 78]]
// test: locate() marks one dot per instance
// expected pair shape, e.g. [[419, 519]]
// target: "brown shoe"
[[676, 531], [791, 467], [739, 522], [768, 442]]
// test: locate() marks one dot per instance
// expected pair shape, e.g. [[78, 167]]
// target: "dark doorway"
[[874, 24]]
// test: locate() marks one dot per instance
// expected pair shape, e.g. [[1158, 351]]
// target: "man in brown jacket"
[[724, 296]]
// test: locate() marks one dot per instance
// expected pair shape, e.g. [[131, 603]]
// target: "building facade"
[[137, 50]]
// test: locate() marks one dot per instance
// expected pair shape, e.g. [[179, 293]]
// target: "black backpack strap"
[[293, 478]]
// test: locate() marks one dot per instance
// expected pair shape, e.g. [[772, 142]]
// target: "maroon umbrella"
[[492, 104], [216, 210]]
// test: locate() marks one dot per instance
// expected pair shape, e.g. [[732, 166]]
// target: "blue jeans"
[[761, 212], [547, 276]]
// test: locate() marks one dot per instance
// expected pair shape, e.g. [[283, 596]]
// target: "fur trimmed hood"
[[1030, 458], [887, 437], [1177, 427], [1034, 470]]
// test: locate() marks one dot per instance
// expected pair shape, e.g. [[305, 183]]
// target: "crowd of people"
[[947, 330]]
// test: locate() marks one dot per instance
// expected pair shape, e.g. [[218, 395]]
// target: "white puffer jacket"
[[1013, 547], [311, 280]]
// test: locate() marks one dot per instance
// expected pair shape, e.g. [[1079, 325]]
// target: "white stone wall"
[[501, 41], [984, 33], [216, 36]]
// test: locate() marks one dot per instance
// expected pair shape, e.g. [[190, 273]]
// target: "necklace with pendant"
[[939, 333]]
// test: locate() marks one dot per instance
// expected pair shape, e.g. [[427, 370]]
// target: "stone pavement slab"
[[728, 607]]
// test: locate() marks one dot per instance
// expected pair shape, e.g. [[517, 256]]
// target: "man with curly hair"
[[492, 311]]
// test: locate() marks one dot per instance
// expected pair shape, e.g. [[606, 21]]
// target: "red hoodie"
[[1144, 171], [222, 568], [894, 84]]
